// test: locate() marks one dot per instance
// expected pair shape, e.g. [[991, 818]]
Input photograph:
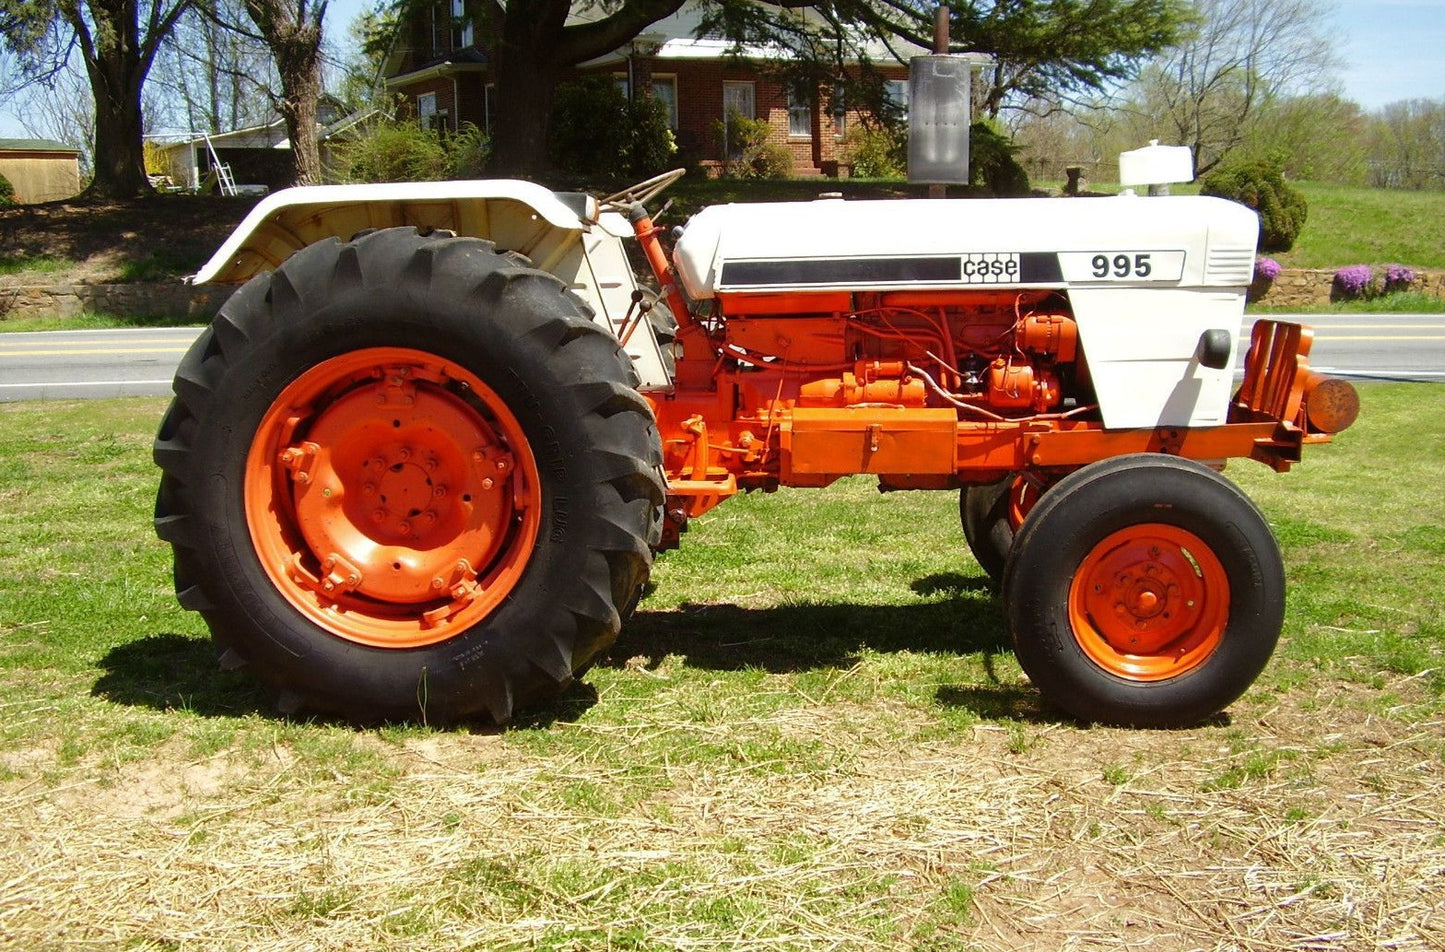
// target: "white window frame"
[[668, 80], [800, 114], [734, 85], [463, 35], [895, 91], [738, 86], [426, 110]]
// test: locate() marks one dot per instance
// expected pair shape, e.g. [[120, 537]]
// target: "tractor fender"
[[517, 216], [564, 234]]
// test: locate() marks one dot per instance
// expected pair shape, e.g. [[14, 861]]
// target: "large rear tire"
[[407, 478], [1144, 590]]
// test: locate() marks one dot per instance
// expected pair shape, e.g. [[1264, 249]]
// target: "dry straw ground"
[[989, 839]]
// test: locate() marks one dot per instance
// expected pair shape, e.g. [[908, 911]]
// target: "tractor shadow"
[[808, 634], [174, 672], [168, 671]]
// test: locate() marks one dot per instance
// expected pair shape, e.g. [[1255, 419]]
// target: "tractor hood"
[[1180, 241]]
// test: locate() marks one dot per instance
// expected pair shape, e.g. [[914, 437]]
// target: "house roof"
[[35, 145], [672, 38], [675, 38], [271, 134], [457, 61]]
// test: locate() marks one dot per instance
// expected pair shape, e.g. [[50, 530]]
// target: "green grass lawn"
[[1348, 225], [812, 735]]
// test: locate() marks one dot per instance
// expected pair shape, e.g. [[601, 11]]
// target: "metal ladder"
[[224, 178]]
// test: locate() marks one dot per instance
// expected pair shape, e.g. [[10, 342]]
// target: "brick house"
[[444, 79]]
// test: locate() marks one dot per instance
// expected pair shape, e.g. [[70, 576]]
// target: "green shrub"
[[1282, 209], [992, 165], [877, 151], [7, 194], [598, 132], [402, 150], [747, 152]]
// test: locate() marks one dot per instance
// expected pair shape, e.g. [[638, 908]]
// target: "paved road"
[[1377, 346], [79, 364]]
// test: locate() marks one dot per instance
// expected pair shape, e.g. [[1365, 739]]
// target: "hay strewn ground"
[[1270, 833]]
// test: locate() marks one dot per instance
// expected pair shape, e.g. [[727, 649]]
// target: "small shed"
[[41, 170], [257, 155]]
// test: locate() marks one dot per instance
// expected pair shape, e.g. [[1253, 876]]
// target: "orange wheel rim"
[[1149, 602], [392, 497]]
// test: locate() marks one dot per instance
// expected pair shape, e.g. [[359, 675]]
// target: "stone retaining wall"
[[1310, 287], [175, 300]]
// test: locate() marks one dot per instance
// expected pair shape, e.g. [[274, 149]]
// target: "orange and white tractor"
[[421, 462]]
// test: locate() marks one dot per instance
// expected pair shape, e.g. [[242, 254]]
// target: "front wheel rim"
[[1149, 603], [392, 497]]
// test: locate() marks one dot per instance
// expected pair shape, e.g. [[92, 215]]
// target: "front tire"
[[1144, 590], [405, 477]]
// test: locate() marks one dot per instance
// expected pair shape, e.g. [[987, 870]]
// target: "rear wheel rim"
[[392, 497], [1149, 603], [1022, 495]]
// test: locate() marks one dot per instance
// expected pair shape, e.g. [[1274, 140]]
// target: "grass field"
[[1371, 226], [813, 735]]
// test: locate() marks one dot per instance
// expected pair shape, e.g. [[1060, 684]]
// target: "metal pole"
[[940, 47]]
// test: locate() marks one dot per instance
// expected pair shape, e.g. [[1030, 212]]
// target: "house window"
[[489, 106], [462, 34], [438, 16], [840, 111], [895, 94], [740, 100], [664, 90], [426, 110], [800, 113]]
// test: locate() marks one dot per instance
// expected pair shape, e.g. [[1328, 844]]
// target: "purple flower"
[[1267, 269], [1397, 276], [1354, 280]]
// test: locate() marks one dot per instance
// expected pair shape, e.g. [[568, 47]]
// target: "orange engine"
[[995, 353], [801, 388]]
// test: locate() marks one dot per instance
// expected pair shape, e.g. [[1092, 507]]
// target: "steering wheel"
[[643, 192]]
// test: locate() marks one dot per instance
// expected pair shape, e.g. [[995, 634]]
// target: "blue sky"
[[1392, 50]]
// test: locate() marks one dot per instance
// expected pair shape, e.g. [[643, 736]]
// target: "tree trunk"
[[117, 66], [299, 64], [119, 151], [526, 84], [293, 34]]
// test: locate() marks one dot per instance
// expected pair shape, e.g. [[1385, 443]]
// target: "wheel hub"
[[1149, 602], [402, 496]]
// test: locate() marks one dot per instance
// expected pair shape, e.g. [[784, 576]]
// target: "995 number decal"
[[1126, 266], [1122, 266]]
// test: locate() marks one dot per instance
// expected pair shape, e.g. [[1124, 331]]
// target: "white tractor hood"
[[831, 244]]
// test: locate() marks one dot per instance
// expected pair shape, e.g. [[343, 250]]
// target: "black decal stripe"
[[1040, 267], [840, 271]]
